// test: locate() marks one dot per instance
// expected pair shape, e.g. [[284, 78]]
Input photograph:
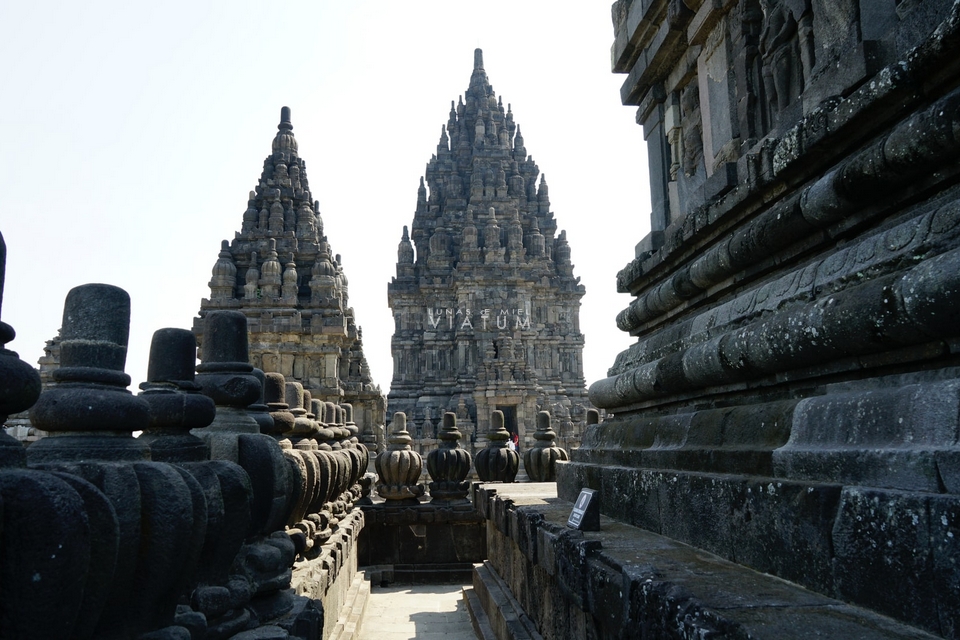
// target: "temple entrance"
[[509, 417]]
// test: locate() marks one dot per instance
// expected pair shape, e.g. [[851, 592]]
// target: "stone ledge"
[[602, 583], [428, 573], [329, 576], [425, 512]]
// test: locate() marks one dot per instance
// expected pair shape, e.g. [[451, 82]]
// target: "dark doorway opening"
[[509, 417]]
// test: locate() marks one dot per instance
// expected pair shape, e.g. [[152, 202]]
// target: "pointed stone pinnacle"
[[285, 123]]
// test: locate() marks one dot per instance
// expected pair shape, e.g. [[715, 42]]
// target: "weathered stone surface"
[[789, 402], [623, 581], [424, 537], [45, 596]]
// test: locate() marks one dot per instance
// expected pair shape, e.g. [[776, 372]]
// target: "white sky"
[[132, 132]]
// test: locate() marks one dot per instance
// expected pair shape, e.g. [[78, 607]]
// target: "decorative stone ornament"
[[449, 465], [176, 404], [226, 376], [497, 462], [399, 466], [540, 461], [90, 414], [159, 518]]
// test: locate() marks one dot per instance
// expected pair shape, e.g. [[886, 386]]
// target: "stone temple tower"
[[281, 272], [485, 302]]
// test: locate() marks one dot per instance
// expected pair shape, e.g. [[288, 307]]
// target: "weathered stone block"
[[879, 536]]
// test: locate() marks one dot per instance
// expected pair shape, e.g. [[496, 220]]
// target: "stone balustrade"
[[221, 518]]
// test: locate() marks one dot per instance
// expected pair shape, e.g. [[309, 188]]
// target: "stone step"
[[353, 610], [506, 617], [478, 617]]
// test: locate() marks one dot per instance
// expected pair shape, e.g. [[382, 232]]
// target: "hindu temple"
[[281, 273], [485, 302]]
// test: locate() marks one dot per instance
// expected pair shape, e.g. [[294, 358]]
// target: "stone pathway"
[[417, 611]]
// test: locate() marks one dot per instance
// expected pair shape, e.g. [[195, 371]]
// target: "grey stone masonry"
[[281, 272], [485, 302], [790, 402]]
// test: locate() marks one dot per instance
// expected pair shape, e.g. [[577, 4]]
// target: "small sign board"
[[586, 511]]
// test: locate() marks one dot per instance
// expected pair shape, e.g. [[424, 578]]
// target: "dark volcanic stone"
[[45, 556], [872, 532], [225, 338], [173, 354]]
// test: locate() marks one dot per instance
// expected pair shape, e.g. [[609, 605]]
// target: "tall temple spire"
[[305, 296], [480, 257]]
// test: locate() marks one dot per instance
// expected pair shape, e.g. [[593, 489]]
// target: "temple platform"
[[623, 581]]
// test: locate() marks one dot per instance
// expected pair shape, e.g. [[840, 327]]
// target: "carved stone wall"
[[790, 402], [485, 301]]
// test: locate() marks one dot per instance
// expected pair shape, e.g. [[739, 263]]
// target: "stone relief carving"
[[691, 125], [787, 51]]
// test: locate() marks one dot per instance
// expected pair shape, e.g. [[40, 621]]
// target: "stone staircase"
[[354, 607]]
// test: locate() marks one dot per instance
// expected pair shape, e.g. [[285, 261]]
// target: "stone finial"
[[540, 461], [537, 241], [224, 280], [284, 142], [259, 410], [91, 403], [303, 427], [399, 466], [405, 249], [226, 376], [543, 193], [449, 464], [478, 58], [21, 382], [274, 395], [270, 272], [176, 404], [497, 462]]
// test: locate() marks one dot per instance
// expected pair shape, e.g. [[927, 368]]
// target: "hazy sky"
[[132, 132]]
